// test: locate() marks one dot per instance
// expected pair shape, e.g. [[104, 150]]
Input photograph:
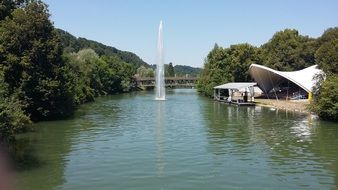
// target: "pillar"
[[310, 96]]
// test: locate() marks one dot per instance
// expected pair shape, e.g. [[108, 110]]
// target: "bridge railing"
[[169, 81]]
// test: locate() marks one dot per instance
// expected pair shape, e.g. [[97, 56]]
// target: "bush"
[[12, 117], [326, 103]]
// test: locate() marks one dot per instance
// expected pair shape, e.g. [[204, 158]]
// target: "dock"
[[240, 94]]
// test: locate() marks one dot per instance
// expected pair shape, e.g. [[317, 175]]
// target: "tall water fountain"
[[160, 85]]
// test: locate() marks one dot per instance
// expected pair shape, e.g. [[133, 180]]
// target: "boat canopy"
[[236, 85]]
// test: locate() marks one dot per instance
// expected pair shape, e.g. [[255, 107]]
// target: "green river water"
[[130, 141]]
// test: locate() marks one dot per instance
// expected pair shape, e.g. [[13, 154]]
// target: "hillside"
[[181, 70], [73, 44]]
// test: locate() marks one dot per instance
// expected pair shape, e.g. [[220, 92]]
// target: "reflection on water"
[[160, 162], [130, 141]]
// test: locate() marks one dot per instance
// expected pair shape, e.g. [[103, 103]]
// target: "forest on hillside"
[[73, 44]]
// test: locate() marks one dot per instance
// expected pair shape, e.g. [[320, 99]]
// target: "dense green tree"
[[327, 57], [93, 76], [241, 57], [73, 44], [13, 119], [170, 70], [226, 65], [289, 51], [31, 62], [81, 68], [145, 72], [326, 103], [215, 72], [328, 36], [7, 6], [122, 74]]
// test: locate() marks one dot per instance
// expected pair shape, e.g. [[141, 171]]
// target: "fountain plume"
[[160, 84]]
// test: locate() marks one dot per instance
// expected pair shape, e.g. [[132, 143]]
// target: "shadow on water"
[[23, 155], [41, 156], [23, 149]]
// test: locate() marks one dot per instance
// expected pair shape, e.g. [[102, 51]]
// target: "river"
[[130, 141]]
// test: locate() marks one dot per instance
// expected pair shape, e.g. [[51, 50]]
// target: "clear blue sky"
[[191, 27]]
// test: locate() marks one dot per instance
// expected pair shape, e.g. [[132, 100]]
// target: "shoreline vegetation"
[[46, 73], [287, 50]]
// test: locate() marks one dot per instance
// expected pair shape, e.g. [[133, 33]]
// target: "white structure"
[[227, 93], [160, 84], [269, 79]]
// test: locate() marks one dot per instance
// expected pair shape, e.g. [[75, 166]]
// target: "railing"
[[169, 81]]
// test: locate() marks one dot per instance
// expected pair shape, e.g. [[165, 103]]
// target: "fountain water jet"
[[160, 85]]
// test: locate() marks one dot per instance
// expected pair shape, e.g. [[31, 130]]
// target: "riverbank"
[[297, 106]]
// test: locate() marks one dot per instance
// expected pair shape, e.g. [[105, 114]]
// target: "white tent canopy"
[[236, 85], [268, 78]]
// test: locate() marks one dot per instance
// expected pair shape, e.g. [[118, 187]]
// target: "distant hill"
[[73, 44], [181, 70]]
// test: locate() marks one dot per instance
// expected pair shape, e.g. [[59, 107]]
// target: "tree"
[[328, 36], [226, 65], [326, 104], [289, 51], [326, 101], [327, 57], [7, 6], [13, 119], [32, 64], [123, 73], [215, 71], [241, 57], [81, 68], [170, 70], [141, 71], [145, 72]]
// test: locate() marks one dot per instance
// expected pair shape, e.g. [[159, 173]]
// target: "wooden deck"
[[237, 103]]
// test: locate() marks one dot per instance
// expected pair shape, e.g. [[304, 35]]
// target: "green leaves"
[[226, 65], [288, 51], [32, 60], [13, 119], [73, 44], [170, 70], [327, 56], [326, 104], [145, 72], [326, 100], [93, 76]]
